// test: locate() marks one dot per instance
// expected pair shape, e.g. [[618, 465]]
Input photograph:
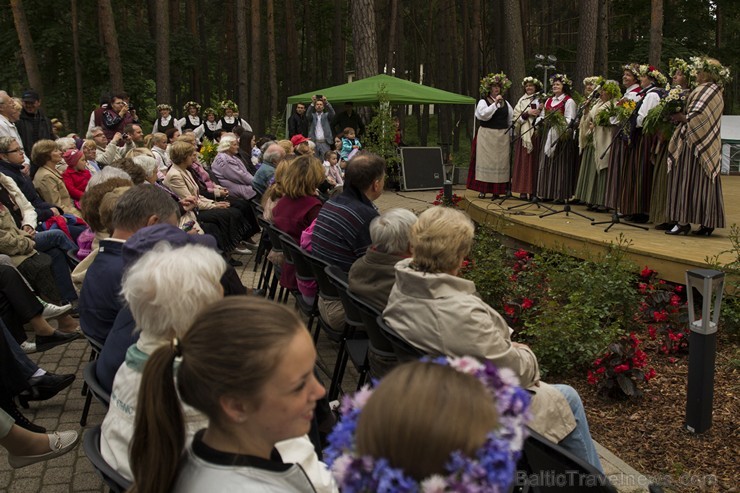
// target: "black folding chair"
[[353, 322], [327, 290], [277, 247], [111, 477], [303, 272], [404, 351], [266, 271], [93, 389], [378, 342], [542, 458], [95, 349]]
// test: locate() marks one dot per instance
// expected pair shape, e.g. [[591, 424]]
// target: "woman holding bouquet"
[[587, 168], [526, 153], [675, 101], [557, 172], [489, 163], [694, 153]]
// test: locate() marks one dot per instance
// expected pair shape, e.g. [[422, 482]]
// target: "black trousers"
[[18, 304]]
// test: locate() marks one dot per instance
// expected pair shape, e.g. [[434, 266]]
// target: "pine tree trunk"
[[389, 60], [291, 44], [205, 95], [27, 50], [515, 39], [271, 58], [364, 38], [255, 81], [656, 32], [602, 55], [587, 24], [162, 43], [78, 65], [242, 62], [191, 13], [337, 52], [110, 40]]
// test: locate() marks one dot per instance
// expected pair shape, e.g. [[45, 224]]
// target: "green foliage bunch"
[[382, 133]]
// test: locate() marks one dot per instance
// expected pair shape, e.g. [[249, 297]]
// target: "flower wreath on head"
[[720, 72], [491, 468], [679, 64], [229, 104], [209, 111], [594, 80], [190, 104], [164, 106], [611, 87], [654, 74], [498, 79], [633, 68], [562, 78], [532, 80]]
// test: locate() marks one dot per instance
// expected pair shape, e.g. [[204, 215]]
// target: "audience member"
[[33, 125], [270, 159]]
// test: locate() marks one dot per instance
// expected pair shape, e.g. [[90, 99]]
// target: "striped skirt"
[[557, 174], [636, 185], [692, 196]]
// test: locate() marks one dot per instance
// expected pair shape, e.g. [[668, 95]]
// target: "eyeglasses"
[[11, 151]]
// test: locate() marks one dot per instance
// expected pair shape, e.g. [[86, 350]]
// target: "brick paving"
[[74, 473]]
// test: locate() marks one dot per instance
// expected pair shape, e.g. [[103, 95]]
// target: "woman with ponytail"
[[248, 365]]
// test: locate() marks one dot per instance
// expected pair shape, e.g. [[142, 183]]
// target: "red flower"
[[509, 310], [642, 287], [675, 300], [635, 341], [513, 278], [521, 254], [621, 368], [436, 202], [671, 359], [597, 361], [660, 316], [646, 273], [592, 378], [650, 374], [600, 370], [678, 288], [652, 332], [527, 303]]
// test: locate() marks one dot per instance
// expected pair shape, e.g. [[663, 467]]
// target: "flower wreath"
[[562, 78], [229, 104], [491, 468], [679, 64], [594, 80], [189, 104], [532, 80], [611, 87], [633, 68], [164, 106], [720, 73], [498, 79], [654, 74]]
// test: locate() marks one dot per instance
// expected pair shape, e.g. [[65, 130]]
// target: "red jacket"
[[76, 182]]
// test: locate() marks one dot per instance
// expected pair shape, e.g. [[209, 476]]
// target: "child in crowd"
[[76, 175], [332, 169], [350, 144]]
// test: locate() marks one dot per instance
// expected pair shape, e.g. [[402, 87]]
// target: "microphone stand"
[[615, 219]]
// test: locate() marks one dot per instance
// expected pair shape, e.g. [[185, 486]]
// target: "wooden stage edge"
[[670, 255]]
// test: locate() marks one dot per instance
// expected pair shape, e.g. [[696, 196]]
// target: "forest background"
[[258, 52]]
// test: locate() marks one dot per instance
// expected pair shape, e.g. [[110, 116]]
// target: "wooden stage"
[[671, 256]]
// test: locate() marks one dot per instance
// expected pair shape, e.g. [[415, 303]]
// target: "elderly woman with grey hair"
[[230, 170]]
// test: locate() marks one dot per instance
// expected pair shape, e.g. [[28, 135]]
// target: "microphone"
[[595, 92]]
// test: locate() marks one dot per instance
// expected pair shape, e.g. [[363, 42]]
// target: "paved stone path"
[[74, 473]]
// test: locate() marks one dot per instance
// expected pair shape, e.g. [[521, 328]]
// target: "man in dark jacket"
[[33, 124], [298, 123], [348, 118]]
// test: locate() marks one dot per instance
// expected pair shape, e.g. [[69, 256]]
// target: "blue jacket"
[[100, 297], [120, 338]]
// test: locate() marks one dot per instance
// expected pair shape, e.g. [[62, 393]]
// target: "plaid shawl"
[[701, 130]]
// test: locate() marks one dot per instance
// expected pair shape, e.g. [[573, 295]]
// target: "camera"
[[319, 96], [533, 106]]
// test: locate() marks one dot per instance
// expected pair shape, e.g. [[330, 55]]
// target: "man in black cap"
[[348, 118], [33, 124]]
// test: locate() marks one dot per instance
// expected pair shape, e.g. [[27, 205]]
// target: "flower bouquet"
[[208, 151], [658, 119]]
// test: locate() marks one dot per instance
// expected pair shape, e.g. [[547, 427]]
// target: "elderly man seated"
[[441, 314]]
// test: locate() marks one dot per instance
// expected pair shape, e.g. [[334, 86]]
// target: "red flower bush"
[[620, 370], [663, 310]]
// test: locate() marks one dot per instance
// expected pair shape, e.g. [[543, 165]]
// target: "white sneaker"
[[54, 311], [243, 251], [28, 347]]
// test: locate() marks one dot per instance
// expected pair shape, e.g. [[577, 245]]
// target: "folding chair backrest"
[[111, 477], [543, 458], [274, 235], [404, 351], [327, 289], [339, 278], [94, 386], [369, 316], [294, 254]]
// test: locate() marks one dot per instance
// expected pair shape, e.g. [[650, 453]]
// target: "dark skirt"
[[557, 174], [636, 185], [482, 186], [659, 195], [586, 176], [692, 196], [615, 171], [226, 225], [526, 163]]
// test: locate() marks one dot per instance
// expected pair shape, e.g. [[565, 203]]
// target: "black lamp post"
[[702, 346]]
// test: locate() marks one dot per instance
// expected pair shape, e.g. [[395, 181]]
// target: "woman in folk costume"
[[620, 150], [694, 153], [587, 167], [637, 178], [210, 127], [191, 120], [489, 166], [602, 132], [165, 121], [557, 173], [681, 86], [526, 152], [231, 117]]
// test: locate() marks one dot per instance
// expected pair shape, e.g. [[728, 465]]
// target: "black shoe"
[[639, 218], [679, 230], [44, 343], [45, 387], [22, 421], [703, 231], [665, 226], [495, 197], [235, 263]]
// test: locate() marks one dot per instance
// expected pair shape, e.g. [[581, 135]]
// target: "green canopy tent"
[[365, 91]]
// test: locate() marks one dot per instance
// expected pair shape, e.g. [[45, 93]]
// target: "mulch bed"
[[648, 433]]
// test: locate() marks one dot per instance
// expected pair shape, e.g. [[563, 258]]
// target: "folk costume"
[[527, 148], [190, 122]]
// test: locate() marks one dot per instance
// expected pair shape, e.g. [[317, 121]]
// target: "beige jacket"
[[14, 242], [48, 182], [183, 184], [442, 315]]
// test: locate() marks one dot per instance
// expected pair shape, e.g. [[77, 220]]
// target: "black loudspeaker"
[[422, 168]]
